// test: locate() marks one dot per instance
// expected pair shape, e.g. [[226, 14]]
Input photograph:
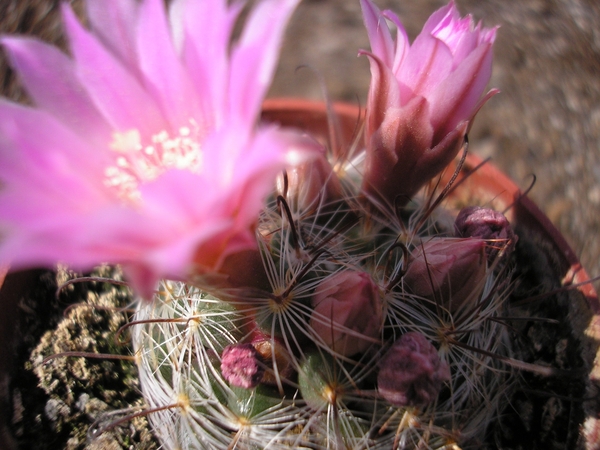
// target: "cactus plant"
[[370, 325], [322, 385], [358, 306]]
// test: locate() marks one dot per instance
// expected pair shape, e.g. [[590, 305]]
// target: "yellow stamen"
[[138, 162]]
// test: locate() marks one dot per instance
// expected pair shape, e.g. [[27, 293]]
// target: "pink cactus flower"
[[142, 148], [347, 312], [411, 372], [447, 270], [422, 98]]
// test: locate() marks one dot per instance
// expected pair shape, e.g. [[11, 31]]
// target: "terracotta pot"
[[481, 180], [484, 183]]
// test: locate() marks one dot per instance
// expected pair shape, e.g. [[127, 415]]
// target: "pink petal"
[[457, 97], [428, 62], [263, 159], [443, 15], [255, 56], [203, 31], [163, 71], [39, 66], [114, 23], [115, 91], [142, 278], [402, 42], [52, 162], [382, 45], [175, 195], [48, 242]]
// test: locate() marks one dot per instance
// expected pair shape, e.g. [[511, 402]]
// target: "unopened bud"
[[411, 372], [310, 184], [447, 270], [347, 312], [487, 224]]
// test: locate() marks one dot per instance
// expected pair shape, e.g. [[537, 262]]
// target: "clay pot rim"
[[526, 212]]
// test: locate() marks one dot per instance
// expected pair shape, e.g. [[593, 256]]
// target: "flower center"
[[137, 162]]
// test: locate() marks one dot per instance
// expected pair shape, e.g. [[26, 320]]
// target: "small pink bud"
[[310, 184], [448, 270], [411, 372], [485, 223], [347, 312], [242, 366]]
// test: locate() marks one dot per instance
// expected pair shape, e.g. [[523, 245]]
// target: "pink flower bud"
[[309, 185], [485, 223], [447, 270], [347, 312], [422, 98], [241, 366], [411, 372]]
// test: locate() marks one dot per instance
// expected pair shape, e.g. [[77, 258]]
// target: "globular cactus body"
[[320, 381]]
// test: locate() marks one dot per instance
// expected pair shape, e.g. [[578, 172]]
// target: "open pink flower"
[[422, 98], [142, 148]]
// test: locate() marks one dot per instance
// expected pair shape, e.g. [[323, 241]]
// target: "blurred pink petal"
[[113, 23], [41, 65], [143, 148]]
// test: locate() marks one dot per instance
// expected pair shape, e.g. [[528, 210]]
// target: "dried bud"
[[447, 270], [275, 357], [411, 372], [242, 366], [347, 312], [485, 223]]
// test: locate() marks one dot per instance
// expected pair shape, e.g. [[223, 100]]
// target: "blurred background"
[[546, 121]]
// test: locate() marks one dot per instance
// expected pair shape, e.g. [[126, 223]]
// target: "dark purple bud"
[[242, 366], [487, 224], [411, 372]]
